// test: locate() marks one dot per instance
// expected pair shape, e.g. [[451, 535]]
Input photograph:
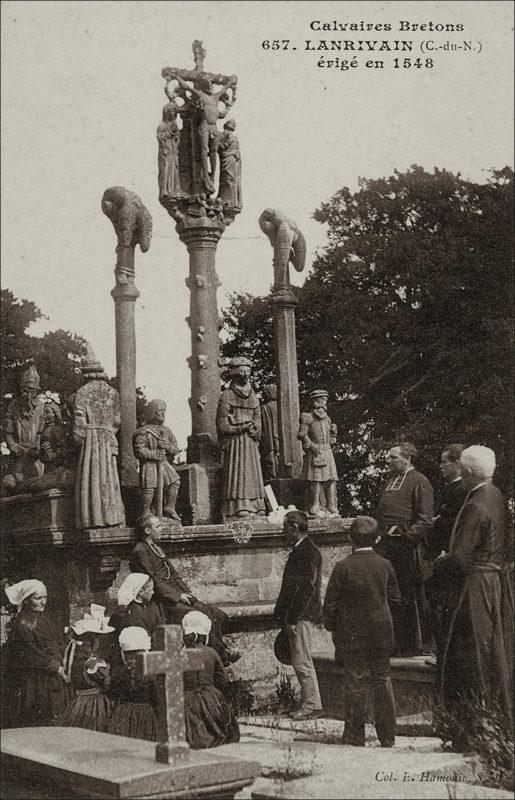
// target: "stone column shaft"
[[201, 241], [125, 295], [290, 457]]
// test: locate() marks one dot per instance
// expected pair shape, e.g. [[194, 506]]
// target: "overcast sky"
[[82, 95]]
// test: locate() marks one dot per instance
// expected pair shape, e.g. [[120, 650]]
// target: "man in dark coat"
[[437, 540], [299, 606], [474, 663], [357, 612], [405, 516], [171, 591]]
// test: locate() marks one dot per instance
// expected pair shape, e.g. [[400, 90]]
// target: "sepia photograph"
[[256, 424]]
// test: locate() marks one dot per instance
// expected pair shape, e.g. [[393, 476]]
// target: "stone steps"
[[413, 684]]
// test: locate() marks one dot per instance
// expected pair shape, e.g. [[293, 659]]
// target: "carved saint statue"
[[230, 167], [23, 424], [96, 419], [56, 453], [269, 442], [210, 113], [288, 243], [238, 423], [168, 137], [317, 434], [154, 444]]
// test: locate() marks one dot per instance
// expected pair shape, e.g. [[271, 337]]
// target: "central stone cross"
[[169, 664]]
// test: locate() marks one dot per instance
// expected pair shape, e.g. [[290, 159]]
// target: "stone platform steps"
[[413, 684]]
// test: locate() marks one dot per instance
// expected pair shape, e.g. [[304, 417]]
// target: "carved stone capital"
[[200, 235], [127, 292], [198, 210], [284, 298]]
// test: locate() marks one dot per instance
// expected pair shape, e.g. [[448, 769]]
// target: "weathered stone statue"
[[23, 424], [154, 443], [230, 167], [168, 136], [288, 243], [238, 424], [131, 221], [317, 434], [269, 442], [96, 419], [200, 137], [56, 453], [209, 113]]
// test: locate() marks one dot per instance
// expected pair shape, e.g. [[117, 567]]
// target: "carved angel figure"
[[288, 243]]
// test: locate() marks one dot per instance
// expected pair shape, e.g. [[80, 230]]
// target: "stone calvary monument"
[[76, 531]]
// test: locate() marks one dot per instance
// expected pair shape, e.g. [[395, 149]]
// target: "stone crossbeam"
[[168, 664]]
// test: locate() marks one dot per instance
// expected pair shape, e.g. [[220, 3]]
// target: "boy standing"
[[357, 612]]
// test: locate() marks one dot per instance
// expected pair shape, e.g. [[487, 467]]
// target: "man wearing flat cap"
[[317, 434], [238, 423]]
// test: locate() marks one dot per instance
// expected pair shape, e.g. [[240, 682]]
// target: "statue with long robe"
[[269, 442], [230, 167], [96, 411], [238, 424]]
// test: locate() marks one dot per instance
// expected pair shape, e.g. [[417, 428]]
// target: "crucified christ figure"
[[208, 133]]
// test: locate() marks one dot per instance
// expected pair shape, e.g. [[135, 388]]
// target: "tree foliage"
[[406, 318], [57, 353]]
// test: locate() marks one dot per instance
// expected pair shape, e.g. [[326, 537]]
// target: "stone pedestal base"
[[200, 494], [412, 678], [47, 513]]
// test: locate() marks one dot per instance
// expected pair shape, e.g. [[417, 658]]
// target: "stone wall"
[[239, 569]]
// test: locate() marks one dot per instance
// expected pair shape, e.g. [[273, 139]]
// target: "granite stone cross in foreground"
[[169, 663]]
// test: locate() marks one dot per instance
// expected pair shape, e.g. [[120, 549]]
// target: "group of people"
[[90, 681], [375, 597], [372, 608]]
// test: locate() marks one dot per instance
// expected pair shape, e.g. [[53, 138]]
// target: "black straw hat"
[[282, 647]]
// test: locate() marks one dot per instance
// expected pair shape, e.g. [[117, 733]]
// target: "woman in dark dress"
[[136, 607], [209, 718], [36, 688], [91, 708], [134, 714]]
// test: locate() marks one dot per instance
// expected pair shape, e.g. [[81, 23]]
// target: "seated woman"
[[209, 718], [89, 675], [134, 713], [35, 686], [135, 605]]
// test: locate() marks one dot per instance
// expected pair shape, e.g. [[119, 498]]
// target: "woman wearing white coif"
[[136, 606], [135, 698], [35, 686], [209, 718], [89, 674]]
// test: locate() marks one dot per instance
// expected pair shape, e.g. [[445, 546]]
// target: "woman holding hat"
[[134, 713], [36, 688], [135, 605], [89, 675], [209, 718]]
